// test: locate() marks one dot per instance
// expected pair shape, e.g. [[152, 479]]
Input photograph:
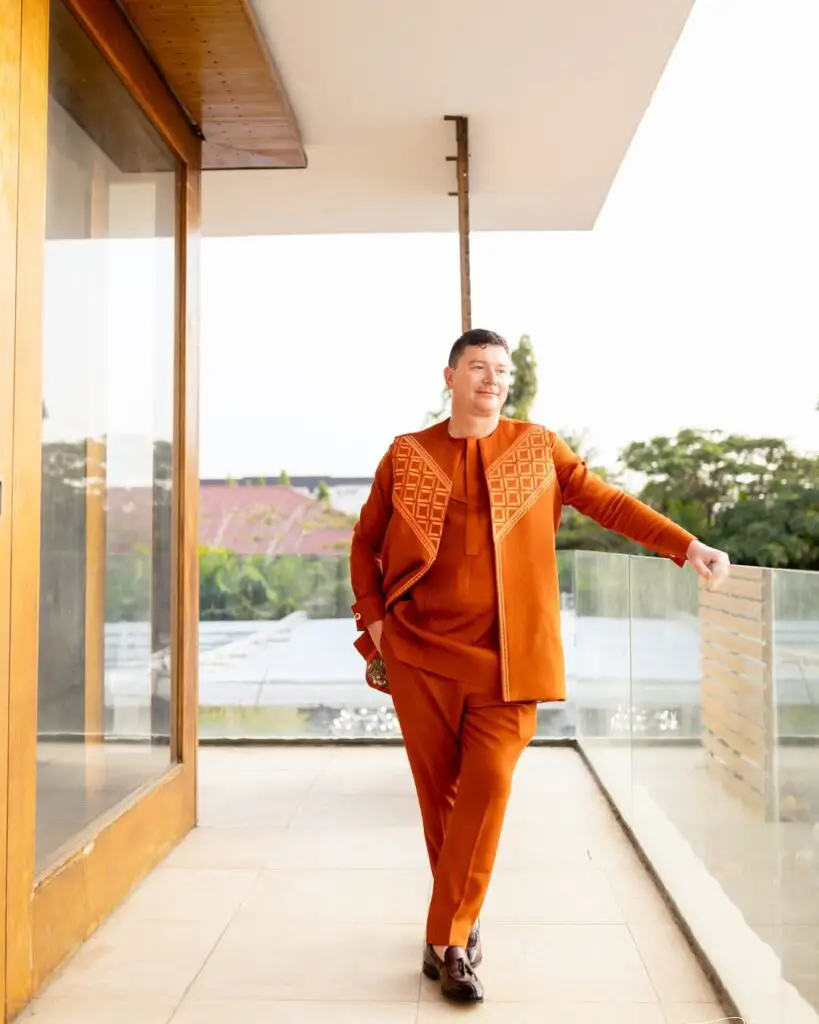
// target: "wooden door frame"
[[47, 917], [10, 56]]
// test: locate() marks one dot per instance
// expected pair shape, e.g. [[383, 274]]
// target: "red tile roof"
[[270, 519], [249, 519]]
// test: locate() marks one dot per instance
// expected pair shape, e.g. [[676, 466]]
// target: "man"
[[454, 573]]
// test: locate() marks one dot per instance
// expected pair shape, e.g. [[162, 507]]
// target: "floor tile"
[[224, 808], [695, 1013], [226, 848], [247, 763], [390, 846], [245, 1012], [322, 810], [527, 846], [344, 898], [357, 771], [560, 895], [147, 961], [533, 1013], [191, 894], [672, 967], [638, 897], [90, 1008], [261, 960]]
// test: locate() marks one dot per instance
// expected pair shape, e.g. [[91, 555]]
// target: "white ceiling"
[[554, 91]]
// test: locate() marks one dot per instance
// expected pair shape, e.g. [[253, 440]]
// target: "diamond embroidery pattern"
[[518, 478], [420, 492]]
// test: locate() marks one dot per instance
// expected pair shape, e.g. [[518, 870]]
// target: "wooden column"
[[461, 160], [95, 569], [10, 59], [167, 214], [96, 458], [31, 17]]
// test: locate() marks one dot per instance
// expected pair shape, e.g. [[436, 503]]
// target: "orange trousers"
[[463, 745]]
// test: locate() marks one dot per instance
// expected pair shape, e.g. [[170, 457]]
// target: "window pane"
[[109, 326]]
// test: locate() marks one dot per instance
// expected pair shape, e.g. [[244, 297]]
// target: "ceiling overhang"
[[554, 92], [221, 70]]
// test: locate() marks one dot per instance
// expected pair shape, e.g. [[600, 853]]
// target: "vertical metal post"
[[461, 160]]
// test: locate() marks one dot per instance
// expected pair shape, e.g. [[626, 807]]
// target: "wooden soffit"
[[213, 56]]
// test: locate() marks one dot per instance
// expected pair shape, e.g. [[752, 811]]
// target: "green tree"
[[323, 492], [751, 496], [253, 587], [284, 478], [578, 532], [523, 386]]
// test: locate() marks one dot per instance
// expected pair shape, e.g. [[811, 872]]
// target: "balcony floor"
[[303, 894]]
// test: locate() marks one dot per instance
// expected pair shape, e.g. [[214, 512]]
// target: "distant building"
[[347, 493], [265, 517]]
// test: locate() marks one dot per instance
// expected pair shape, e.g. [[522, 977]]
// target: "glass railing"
[[280, 665], [699, 711]]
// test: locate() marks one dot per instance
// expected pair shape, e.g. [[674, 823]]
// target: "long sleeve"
[[614, 509], [365, 551]]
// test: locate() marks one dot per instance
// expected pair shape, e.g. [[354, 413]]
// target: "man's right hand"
[[375, 629]]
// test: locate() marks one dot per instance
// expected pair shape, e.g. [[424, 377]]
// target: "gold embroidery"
[[420, 492], [517, 479]]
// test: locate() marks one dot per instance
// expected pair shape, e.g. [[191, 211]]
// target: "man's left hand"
[[710, 563]]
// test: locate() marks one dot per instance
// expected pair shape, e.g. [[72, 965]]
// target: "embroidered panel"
[[518, 478], [420, 492]]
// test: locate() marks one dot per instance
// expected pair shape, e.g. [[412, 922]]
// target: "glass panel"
[[703, 771], [602, 665], [560, 720], [725, 800], [109, 326], [276, 633], [793, 789]]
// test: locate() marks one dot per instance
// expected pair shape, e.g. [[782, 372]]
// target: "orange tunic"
[[448, 622], [530, 474]]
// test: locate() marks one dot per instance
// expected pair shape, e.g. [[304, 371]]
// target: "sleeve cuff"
[[367, 611], [679, 541]]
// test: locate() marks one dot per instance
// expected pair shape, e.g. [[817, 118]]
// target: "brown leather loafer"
[[474, 947], [458, 979]]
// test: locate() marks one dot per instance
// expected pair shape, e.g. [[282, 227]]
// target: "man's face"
[[480, 382]]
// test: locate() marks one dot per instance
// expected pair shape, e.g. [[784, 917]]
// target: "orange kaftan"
[[530, 474]]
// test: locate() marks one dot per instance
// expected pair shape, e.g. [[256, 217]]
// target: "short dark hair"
[[477, 338]]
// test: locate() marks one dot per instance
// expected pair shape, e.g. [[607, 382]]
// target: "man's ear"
[[448, 376]]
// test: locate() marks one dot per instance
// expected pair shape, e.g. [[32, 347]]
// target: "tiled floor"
[[302, 898]]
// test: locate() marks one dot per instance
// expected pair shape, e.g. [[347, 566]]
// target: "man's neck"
[[472, 426]]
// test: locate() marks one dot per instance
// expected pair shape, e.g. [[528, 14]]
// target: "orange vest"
[[530, 474]]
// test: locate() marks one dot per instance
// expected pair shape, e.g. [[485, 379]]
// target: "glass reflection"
[[108, 363]]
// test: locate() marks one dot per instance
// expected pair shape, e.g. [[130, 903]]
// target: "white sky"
[[694, 302]]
